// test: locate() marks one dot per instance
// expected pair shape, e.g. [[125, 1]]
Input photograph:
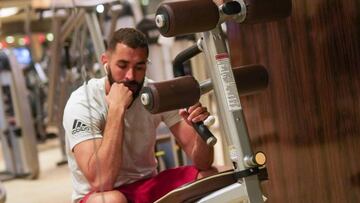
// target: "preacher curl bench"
[[173, 18]]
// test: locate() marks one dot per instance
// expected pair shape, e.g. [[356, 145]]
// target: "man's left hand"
[[194, 114]]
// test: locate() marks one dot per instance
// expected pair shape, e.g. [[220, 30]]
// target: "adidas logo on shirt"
[[79, 126]]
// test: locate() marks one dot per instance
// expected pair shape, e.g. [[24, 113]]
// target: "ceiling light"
[[6, 12], [100, 8]]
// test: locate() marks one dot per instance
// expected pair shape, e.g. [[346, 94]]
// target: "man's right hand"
[[119, 95]]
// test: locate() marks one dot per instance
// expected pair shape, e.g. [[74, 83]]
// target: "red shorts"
[[151, 189]]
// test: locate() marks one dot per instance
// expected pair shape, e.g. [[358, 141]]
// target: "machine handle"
[[178, 66], [205, 133]]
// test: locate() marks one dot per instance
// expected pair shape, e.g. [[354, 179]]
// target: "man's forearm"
[[198, 151], [202, 154], [105, 164]]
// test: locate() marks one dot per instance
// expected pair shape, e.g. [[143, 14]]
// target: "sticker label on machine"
[[229, 85]]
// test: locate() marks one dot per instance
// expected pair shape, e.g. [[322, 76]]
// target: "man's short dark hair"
[[131, 37]]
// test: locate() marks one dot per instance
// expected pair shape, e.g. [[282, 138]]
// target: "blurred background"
[[307, 121]]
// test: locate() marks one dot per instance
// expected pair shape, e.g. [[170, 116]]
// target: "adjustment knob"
[[259, 159]]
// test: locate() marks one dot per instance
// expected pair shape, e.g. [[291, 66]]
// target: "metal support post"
[[230, 110], [54, 72], [75, 20], [96, 36]]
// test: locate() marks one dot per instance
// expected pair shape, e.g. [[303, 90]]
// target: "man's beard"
[[133, 85]]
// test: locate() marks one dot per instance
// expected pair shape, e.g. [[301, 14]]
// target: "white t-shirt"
[[139, 138]]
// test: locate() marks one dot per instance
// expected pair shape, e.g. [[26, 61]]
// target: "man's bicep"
[[79, 126]]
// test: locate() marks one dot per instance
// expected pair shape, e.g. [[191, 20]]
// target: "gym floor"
[[53, 184]]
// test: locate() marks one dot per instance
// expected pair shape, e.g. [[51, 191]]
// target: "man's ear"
[[104, 59]]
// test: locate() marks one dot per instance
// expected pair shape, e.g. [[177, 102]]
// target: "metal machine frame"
[[232, 119]]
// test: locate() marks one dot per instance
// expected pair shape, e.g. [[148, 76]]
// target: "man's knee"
[[109, 196], [206, 173]]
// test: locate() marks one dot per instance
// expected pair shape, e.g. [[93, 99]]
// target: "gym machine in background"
[[18, 136], [172, 18]]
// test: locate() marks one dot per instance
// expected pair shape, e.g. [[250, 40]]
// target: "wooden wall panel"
[[308, 120]]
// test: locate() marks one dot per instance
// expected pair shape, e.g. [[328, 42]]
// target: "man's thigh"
[[151, 189]]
